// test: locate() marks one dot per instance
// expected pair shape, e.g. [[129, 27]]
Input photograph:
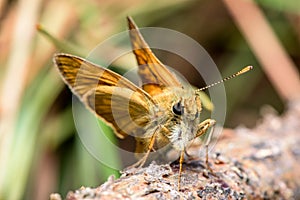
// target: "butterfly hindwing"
[[127, 111]]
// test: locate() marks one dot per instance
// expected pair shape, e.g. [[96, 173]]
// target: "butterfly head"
[[185, 118], [187, 108]]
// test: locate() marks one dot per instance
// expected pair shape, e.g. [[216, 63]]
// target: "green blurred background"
[[40, 152]]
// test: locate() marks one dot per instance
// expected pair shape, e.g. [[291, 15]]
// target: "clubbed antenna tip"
[[244, 70]]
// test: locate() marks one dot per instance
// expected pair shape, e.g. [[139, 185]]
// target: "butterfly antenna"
[[244, 70]]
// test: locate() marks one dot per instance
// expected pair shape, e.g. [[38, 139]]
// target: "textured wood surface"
[[259, 163]]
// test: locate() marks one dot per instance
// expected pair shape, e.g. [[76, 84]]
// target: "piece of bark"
[[261, 163]]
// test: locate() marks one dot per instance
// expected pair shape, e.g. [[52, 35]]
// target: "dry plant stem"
[[2, 5], [46, 177], [266, 46], [24, 29], [6, 34], [262, 163]]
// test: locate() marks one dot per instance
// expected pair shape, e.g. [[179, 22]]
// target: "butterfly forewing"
[[155, 76], [82, 76], [124, 106]]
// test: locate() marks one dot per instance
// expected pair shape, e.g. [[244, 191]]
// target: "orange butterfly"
[[162, 112]]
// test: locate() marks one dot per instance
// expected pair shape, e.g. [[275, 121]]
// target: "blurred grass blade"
[[292, 6], [33, 109], [58, 129], [64, 46], [98, 139]]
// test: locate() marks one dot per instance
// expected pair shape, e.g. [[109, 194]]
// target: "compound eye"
[[177, 108]]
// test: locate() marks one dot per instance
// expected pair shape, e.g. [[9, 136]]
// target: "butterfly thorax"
[[178, 115]]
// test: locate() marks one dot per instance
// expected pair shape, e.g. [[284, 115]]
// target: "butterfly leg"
[[143, 160], [180, 168], [204, 126], [206, 147], [202, 129]]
